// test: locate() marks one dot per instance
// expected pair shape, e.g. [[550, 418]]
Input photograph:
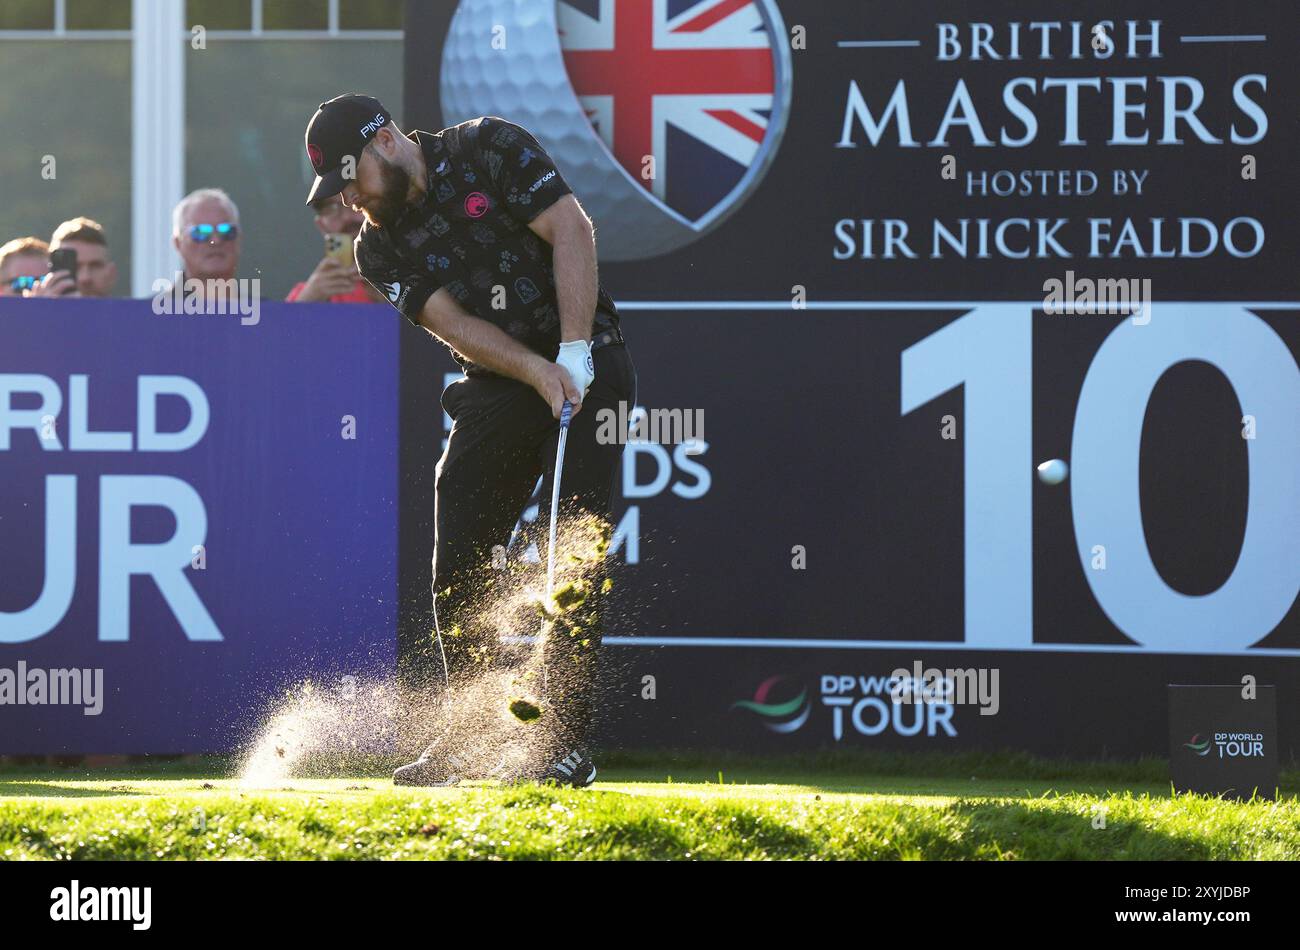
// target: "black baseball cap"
[[341, 127]]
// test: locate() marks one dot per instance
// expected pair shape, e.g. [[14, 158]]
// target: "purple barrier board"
[[195, 512]]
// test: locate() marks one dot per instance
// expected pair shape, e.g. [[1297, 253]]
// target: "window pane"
[[370, 14], [256, 153], [99, 14], [82, 120], [27, 15], [295, 15], [220, 14]]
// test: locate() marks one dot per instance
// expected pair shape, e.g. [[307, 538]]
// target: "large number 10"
[[989, 351]]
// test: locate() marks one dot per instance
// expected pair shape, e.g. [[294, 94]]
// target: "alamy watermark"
[[56, 687], [1106, 295], [194, 296], [77, 903], [663, 426], [957, 687]]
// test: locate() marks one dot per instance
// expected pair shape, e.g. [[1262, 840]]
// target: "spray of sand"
[[496, 724]]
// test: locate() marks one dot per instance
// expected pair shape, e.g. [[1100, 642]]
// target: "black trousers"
[[503, 437]]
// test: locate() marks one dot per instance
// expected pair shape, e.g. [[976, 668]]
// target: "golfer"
[[473, 234]]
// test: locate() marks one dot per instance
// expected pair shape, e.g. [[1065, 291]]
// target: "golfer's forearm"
[[483, 343], [574, 262]]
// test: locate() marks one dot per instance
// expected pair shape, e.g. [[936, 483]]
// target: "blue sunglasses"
[[20, 284], [203, 233]]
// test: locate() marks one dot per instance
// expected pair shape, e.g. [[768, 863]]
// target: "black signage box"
[[1221, 743]]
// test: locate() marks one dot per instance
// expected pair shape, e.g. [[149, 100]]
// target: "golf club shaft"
[[566, 415]]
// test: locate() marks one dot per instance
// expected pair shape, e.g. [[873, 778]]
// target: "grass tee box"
[[887, 807]]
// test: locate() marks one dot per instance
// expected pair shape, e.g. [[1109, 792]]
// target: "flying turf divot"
[[525, 710], [567, 599]]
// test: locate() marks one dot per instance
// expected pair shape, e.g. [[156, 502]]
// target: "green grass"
[[860, 807]]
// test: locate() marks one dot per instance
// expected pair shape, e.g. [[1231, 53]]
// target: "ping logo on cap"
[[374, 125]]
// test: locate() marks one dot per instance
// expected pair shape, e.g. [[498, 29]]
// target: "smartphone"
[[65, 258], [339, 247]]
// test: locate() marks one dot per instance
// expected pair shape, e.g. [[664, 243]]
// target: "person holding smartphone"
[[335, 279], [82, 249], [61, 277]]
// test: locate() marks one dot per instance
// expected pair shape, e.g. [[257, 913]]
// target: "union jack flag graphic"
[[690, 82]]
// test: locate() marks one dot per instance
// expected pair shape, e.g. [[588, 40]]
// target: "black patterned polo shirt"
[[488, 178]]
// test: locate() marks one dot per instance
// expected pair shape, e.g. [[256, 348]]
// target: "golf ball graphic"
[[1053, 472], [663, 117]]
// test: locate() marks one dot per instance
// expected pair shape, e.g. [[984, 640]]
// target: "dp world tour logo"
[[779, 716], [663, 115], [1230, 745]]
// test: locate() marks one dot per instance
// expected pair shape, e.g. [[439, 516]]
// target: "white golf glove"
[[575, 356]]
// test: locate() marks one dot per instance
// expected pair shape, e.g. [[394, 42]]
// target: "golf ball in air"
[[1053, 472]]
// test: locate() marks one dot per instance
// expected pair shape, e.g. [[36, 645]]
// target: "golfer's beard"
[[389, 207]]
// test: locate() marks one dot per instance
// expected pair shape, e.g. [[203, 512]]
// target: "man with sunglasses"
[[473, 234], [23, 262], [205, 232]]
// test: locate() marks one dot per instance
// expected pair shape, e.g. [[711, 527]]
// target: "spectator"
[[96, 273], [333, 280], [22, 260], [205, 231]]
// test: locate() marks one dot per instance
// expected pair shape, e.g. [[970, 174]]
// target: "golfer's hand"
[[553, 384], [575, 356]]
